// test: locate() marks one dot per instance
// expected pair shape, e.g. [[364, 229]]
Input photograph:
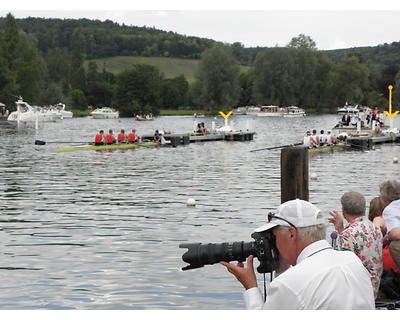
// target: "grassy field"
[[170, 67]]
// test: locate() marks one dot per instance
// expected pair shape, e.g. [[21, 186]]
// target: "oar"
[[42, 143], [284, 146]]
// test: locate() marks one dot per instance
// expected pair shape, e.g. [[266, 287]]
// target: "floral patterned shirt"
[[364, 238]]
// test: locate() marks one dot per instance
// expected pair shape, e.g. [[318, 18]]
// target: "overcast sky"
[[335, 27]]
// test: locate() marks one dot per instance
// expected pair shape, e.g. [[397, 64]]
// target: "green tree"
[[137, 89], [99, 90], [78, 77], [350, 81], [78, 99], [52, 93], [396, 92], [246, 88], [217, 78], [174, 92], [274, 77], [58, 62], [10, 41], [30, 74], [302, 42]]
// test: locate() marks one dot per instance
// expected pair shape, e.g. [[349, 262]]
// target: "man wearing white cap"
[[320, 277]]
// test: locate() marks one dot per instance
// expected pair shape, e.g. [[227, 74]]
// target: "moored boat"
[[144, 118], [271, 111], [105, 113], [293, 111], [27, 113], [353, 110], [59, 108]]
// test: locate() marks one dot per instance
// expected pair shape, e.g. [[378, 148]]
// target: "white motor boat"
[[28, 113], [105, 113], [354, 110], [294, 111], [62, 113]]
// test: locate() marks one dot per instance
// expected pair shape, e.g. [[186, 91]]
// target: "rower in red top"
[[133, 137], [99, 138], [110, 139], [122, 137]]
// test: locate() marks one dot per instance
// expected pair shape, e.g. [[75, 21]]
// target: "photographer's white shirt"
[[391, 215], [322, 279]]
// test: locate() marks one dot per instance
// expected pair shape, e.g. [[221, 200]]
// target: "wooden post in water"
[[294, 174]]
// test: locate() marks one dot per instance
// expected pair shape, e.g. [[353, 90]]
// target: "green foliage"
[[246, 81], [10, 41], [107, 39], [218, 78], [174, 92], [273, 77], [351, 80], [139, 90], [52, 94], [78, 99], [396, 92], [302, 42]]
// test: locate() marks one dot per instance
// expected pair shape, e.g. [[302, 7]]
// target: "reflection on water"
[[101, 230]]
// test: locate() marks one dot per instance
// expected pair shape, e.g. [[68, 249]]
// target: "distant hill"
[[112, 41], [376, 58]]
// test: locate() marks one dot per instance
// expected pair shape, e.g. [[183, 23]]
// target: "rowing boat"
[[325, 149], [108, 147]]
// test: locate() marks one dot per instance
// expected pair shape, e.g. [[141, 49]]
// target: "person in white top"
[[390, 196], [319, 276], [330, 138], [322, 138], [307, 140]]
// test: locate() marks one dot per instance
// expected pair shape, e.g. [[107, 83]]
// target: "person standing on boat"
[[99, 139], [319, 277], [122, 137], [361, 235], [133, 137], [110, 139], [346, 119]]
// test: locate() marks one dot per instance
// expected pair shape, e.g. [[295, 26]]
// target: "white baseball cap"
[[296, 213]]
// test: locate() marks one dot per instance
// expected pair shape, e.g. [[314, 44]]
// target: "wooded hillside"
[[104, 39], [101, 63]]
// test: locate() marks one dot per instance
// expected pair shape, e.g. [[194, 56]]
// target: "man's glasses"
[[273, 216]]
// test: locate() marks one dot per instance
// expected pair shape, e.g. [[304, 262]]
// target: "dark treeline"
[[102, 39], [43, 61]]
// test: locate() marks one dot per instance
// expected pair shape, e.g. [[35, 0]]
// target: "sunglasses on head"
[[273, 216]]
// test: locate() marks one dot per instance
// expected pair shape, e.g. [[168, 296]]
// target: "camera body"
[[263, 248]]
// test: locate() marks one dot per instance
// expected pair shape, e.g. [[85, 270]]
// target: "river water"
[[101, 230]]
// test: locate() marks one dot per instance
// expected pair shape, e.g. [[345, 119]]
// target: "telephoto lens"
[[199, 255], [263, 248]]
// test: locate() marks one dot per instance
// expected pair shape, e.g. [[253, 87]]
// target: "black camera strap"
[[265, 285]]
